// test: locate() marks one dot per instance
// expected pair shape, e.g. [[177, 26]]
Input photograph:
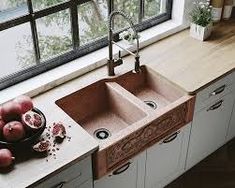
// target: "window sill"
[[82, 65]]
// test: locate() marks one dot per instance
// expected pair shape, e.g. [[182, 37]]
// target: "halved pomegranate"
[[32, 121], [58, 130], [42, 146]]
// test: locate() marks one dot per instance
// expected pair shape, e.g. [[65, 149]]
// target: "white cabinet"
[[231, 129], [209, 129], [87, 184], [165, 160], [129, 175], [78, 175]]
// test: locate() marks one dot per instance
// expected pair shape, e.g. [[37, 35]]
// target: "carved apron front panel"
[[135, 142]]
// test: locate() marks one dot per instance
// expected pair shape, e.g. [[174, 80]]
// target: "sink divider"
[[129, 96]]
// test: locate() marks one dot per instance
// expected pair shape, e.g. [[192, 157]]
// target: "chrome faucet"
[[112, 63]]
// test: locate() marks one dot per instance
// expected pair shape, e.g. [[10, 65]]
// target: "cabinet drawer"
[[209, 129], [214, 92], [233, 78], [128, 175], [71, 177]]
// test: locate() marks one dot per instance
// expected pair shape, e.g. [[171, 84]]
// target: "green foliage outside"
[[92, 24]]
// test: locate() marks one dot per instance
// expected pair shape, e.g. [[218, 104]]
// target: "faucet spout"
[[112, 63]]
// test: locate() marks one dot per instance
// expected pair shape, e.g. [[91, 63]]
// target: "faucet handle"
[[118, 61], [119, 54]]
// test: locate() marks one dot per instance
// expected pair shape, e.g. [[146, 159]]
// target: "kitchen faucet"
[[112, 63]]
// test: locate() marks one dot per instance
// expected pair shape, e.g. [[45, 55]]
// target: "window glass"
[[92, 18], [153, 8], [54, 34], [130, 7], [42, 4], [10, 9], [16, 49]]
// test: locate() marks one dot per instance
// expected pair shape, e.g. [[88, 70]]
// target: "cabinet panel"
[[231, 129], [129, 175], [71, 177], [87, 184], [165, 161], [209, 129], [214, 92]]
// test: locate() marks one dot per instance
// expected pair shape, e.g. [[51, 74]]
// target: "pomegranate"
[[13, 131], [42, 146], [58, 130], [0, 110], [32, 120], [2, 123], [25, 103], [11, 111], [6, 158]]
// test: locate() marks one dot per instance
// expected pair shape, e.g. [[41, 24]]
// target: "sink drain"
[[102, 133], [151, 104]]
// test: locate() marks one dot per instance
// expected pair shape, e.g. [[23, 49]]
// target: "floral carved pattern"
[[135, 142]]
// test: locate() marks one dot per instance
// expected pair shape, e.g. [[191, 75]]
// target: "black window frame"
[[77, 51]]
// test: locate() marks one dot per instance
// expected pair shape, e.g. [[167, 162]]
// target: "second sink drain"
[[151, 104], [102, 133]]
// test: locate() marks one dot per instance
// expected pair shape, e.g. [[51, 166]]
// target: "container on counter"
[[228, 7], [217, 8]]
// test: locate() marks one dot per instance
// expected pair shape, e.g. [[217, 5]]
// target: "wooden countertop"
[[29, 168], [192, 64], [187, 62]]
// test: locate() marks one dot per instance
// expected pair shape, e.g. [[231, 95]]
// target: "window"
[[38, 35]]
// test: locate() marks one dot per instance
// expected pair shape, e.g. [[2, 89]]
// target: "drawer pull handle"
[[59, 185], [216, 105], [218, 90], [170, 138], [122, 169]]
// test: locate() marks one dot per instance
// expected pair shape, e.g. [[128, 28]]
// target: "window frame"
[[77, 51]]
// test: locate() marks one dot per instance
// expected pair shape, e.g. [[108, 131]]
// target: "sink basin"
[[127, 114], [151, 88], [101, 109]]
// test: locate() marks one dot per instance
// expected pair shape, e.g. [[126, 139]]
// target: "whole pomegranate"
[[25, 103], [11, 111], [13, 131], [2, 123], [6, 158], [0, 110], [32, 121]]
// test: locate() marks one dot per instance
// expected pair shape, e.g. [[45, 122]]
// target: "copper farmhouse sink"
[[127, 114]]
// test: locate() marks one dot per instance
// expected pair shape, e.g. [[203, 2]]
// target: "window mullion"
[[74, 24], [141, 11], [34, 32], [110, 6]]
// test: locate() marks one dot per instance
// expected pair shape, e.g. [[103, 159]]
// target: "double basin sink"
[[127, 114]]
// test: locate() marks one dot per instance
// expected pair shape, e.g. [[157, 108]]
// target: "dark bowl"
[[29, 140]]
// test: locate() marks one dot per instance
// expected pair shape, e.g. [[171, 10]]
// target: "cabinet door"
[[87, 184], [209, 129], [129, 175], [231, 129], [70, 177], [165, 161]]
